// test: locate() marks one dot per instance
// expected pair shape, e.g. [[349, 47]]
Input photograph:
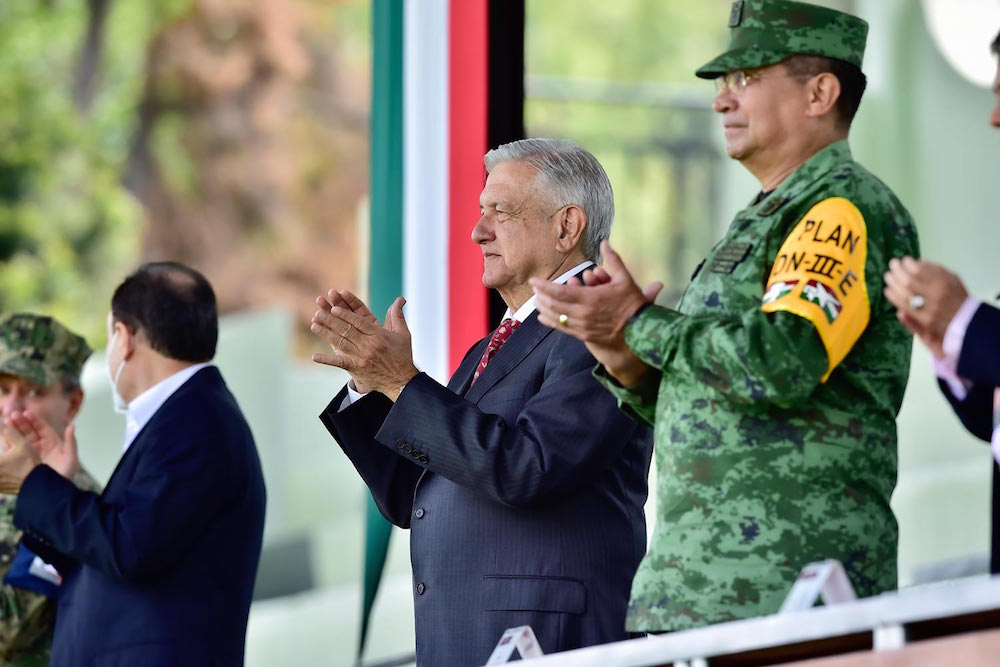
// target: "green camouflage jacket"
[[26, 618], [776, 387]]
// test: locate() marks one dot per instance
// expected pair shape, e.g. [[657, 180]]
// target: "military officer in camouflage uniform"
[[775, 383], [40, 362]]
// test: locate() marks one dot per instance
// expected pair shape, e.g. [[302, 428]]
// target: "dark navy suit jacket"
[[979, 362], [523, 495], [159, 569]]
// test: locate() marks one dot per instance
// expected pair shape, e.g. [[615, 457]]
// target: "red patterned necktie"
[[499, 337]]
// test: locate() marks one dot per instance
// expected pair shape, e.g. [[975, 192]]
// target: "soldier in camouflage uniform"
[[775, 383], [40, 362]]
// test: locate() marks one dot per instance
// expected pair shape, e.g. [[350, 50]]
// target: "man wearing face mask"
[[40, 363], [159, 569]]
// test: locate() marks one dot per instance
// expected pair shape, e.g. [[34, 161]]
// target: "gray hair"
[[567, 174]]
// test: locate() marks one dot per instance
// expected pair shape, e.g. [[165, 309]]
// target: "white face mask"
[[118, 402]]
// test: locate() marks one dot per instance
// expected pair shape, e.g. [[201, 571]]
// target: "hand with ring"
[[378, 357], [926, 297], [599, 310]]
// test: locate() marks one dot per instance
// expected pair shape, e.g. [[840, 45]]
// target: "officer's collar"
[[814, 168]]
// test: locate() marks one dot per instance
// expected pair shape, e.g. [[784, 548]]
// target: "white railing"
[[884, 622]]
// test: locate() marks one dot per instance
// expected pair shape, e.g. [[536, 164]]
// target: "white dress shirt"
[[144, 406], [522, 313]]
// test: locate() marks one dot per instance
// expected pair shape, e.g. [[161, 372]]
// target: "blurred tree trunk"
[[88, 64], [250, 151]]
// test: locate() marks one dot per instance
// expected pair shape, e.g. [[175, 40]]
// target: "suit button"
[[400, 443], [424, 458], [421, 588], [407, 448], [416, 453], [418, 513]]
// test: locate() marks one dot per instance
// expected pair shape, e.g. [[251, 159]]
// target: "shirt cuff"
[[353, 396], [954, 335], [945, 369]]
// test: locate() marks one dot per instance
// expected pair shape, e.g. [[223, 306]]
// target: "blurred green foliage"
[[69, 230], [626, 40], [619, 78]]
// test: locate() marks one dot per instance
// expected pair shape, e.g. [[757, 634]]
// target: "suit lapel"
[[459, 382], [521, 343]]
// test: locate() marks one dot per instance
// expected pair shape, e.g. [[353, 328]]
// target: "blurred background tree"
[[67, 228], [227, 134]]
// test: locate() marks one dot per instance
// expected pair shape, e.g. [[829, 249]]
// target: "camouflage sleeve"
[[25, 618], [638, 402], [755, 356]]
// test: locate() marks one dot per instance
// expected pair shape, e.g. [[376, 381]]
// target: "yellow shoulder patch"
[[819, 274]]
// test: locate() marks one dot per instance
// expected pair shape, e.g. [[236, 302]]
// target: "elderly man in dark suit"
[[963, 334], [158, 569], [521, 483]]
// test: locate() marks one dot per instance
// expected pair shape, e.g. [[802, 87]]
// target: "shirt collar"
[[144, 406], [528, 307]]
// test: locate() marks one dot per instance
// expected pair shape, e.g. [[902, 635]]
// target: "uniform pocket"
[[532, 593]]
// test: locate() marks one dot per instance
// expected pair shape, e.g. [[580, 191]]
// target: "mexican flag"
[[432, 121], [778, 289], [818, 293]]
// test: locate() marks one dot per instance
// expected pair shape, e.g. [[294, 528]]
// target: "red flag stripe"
[[467, 142]]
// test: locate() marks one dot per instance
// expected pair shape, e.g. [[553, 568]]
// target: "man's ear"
[[75, 401], [823, 91], [572, 221], [128, 338]]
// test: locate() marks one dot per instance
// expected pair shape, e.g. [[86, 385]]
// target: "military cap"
[[39, 349], [765, 32]]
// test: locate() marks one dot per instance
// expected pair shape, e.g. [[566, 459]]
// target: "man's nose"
[[481, 230], [724, 101], [12, 402]]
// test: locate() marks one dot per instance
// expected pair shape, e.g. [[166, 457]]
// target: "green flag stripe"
[[386, 258]]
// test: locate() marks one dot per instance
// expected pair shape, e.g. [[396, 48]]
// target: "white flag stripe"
[[425, 182]]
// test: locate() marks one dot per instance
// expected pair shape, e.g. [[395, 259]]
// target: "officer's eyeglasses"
[[737, 80]]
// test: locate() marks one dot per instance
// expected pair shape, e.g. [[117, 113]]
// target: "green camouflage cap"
[[765, 32], [39, 349]]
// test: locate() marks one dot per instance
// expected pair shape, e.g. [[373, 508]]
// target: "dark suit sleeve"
[[39, 482], [176, 492], [390, 478], [975, 411], [43, 549], [979, 359], [563, 435]]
